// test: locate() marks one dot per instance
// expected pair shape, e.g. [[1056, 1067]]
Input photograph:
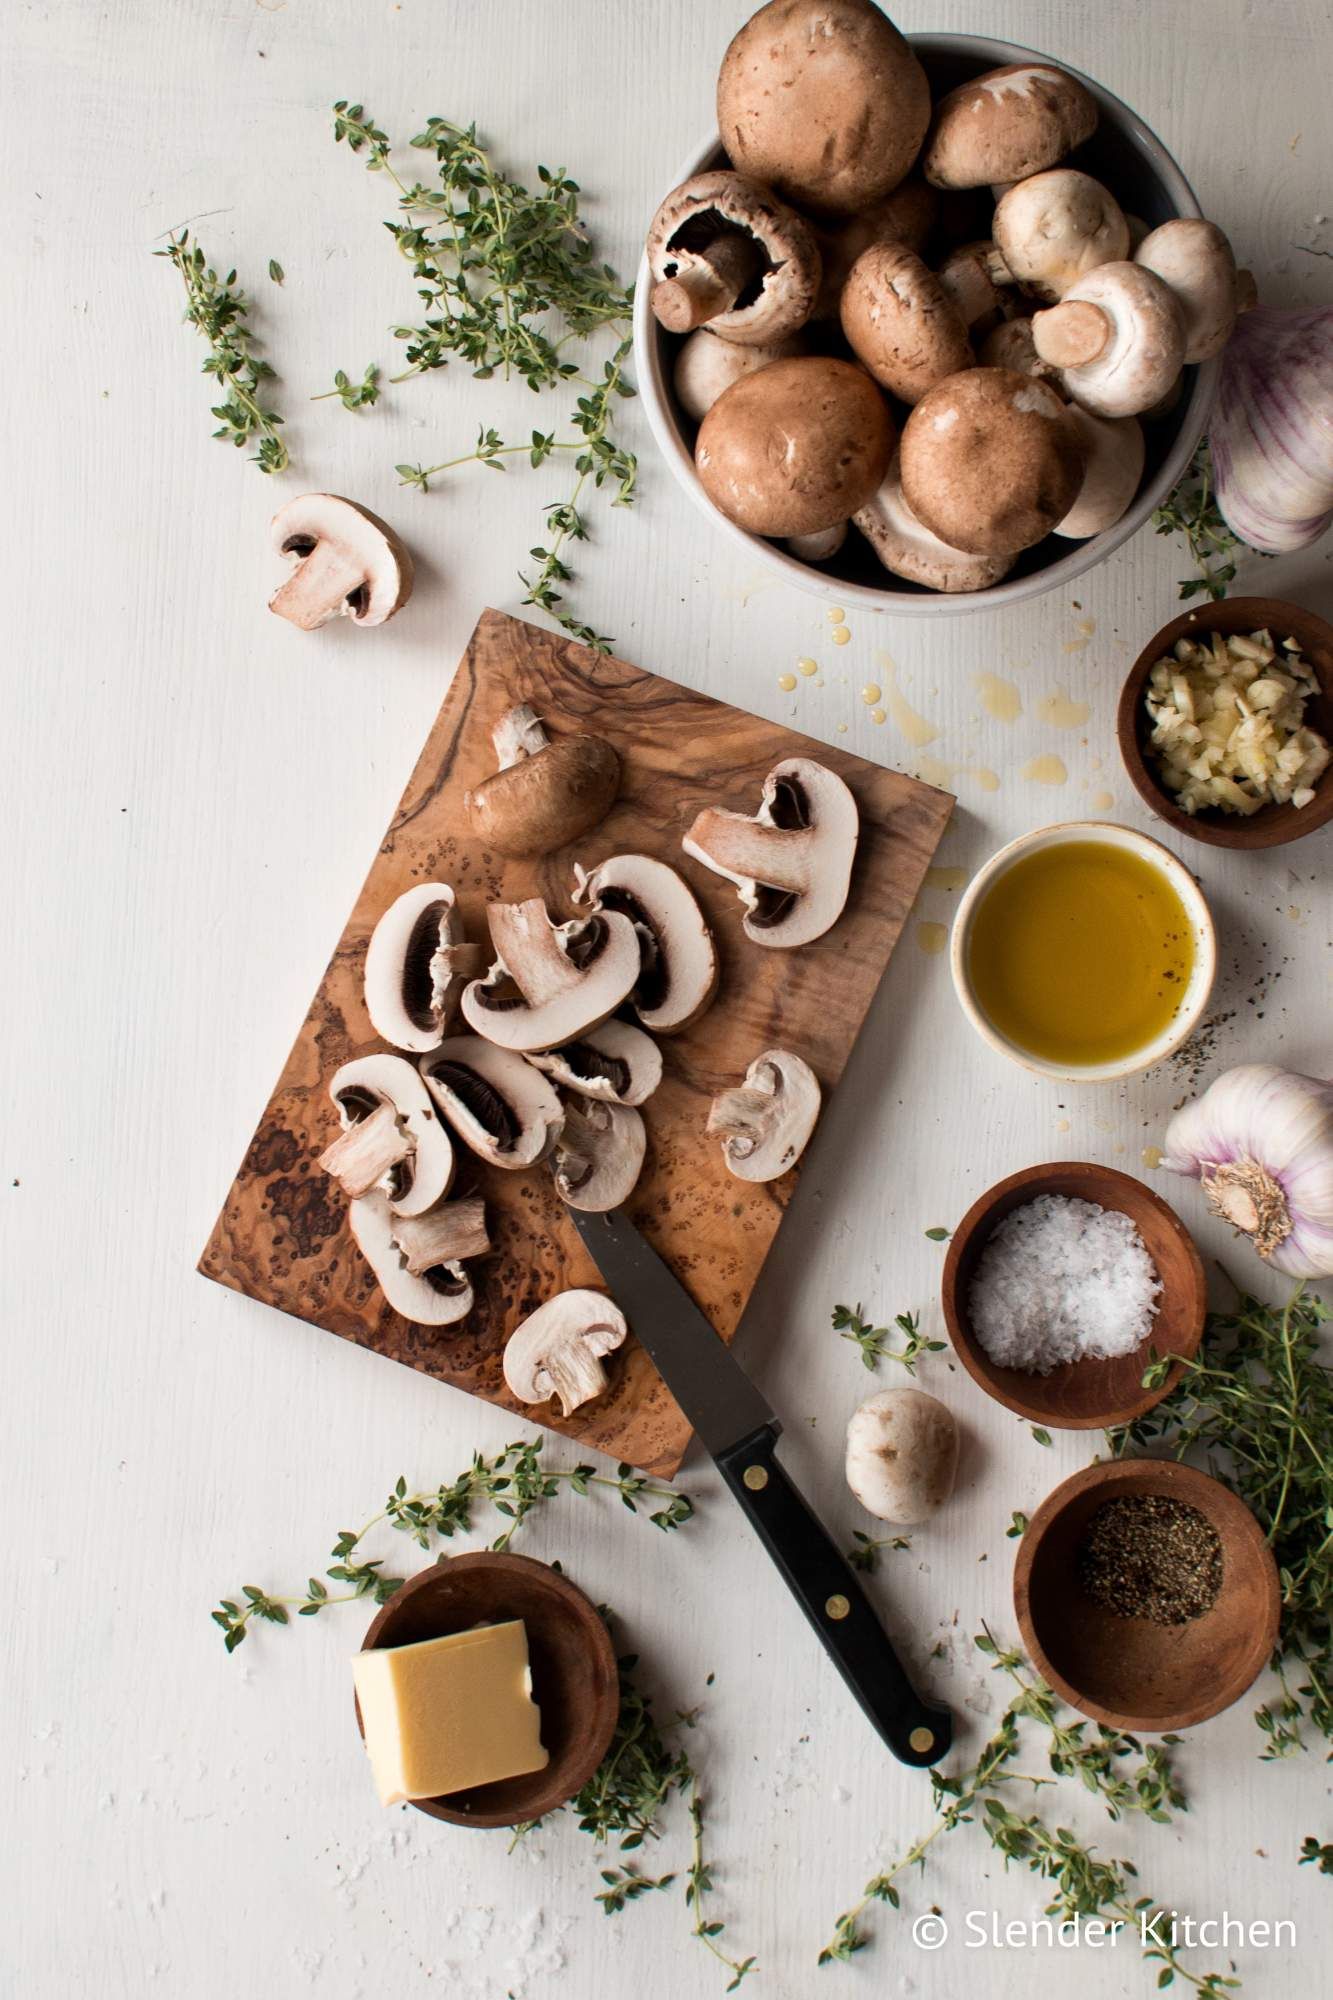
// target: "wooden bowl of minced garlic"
[[1226, 721]]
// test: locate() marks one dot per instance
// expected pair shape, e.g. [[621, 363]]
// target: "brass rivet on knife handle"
[[755, 1477], [921, 1739], [837, 1606]]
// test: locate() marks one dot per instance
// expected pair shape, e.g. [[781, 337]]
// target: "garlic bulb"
[[1271, 433], [1260, 1140]]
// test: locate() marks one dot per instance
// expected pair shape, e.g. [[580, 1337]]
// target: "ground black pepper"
[[1145, 1555]]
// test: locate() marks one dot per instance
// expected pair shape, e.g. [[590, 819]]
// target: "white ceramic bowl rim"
[[654, 388], [1194, 999]]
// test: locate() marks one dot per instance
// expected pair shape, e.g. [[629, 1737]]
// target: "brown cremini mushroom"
[[906, 216], [348, 563], [1112, 468], [707, 365], [1010, 345], [796, 448], [1118, 339], [791, 861], [765, 1122], [990, 461], [558, 1350], [1006, 125], [979, 284], [1054, 228], [550, 982], [1196, 260], [725, 252], [824, 101], [901, 322], [907, 548], [547, 790]]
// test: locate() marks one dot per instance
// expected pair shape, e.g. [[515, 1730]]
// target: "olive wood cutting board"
[[282, 1236]]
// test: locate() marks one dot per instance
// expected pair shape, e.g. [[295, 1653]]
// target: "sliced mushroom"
[[1054, 228], [499, 1106], [599, 1154], [416, 962], [901, 322], [616, 1063], [766, 1122], [707, 365], [1007, 125], [1113, 466], [392, 1139], [1118, 339], [348, 563], [558, 1350], [796, 448], [907, 548], [445, 1234], [725, 252], [678, 975], [990, 461], [792, 861], [545, 793], [1196, 260], [439, 1296], [550, 982]]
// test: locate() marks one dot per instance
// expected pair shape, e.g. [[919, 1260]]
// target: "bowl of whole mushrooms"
[[929, 323]]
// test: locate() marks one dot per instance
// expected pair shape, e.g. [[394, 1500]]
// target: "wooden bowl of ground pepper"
[[1146, 1594]]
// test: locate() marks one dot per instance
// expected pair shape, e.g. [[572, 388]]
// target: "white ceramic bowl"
[[1195, 997], [1147, 183]]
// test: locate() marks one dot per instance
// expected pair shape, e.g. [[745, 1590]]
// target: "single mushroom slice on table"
[[792, 861], [1112, 468], [416, 962], [617, 1063], [906, 216], [547, 791], [907, 548], [725, 252], [678, 972], [990, 461], [707, 365], [502, 1109], [765, 1123], [558, 1350], [796, 448], [901, 322], [348, 563], [1054, 228], [1007, 125], [599, 1154], [439, 1295], [1118, 339], [391, 1138], [1196, 260], [551, 982], [824, 101]]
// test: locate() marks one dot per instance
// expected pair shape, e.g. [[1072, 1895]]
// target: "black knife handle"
[[827, 1591]]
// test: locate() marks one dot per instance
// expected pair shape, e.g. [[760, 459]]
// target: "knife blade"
[[740, 1431]]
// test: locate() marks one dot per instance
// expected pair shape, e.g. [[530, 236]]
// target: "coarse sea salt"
[[1062, 1280]]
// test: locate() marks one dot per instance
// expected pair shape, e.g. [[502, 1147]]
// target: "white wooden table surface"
[[192, 793]]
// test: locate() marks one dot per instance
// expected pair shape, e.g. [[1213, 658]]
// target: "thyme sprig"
[[218, 309], [1115, 1767], [513, 1483], [508, 280], [1191, 511], [866, 1549], [875, 1341], [353, 395], [1256, 1404]]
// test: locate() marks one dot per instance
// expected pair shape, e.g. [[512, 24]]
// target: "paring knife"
[[740, 1432]]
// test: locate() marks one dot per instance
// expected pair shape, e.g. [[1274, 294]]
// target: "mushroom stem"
[[574, 1373], [518, 734], [734, 845], [741, 1114], [448, 1233], [320, 585], [528, 946], [360, 1157], [709, 287], [1071, 334]]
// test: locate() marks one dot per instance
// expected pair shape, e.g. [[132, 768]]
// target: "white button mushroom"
[[907, 548], [902, 323], [765, 1123], [416, 962], [347, 563], [725, 252], [501, 1108], [1007, 125], [1195, 259], [1118, 339], [1055, 227], [558, 1350], [796, 448], [550, 982], [791, 862], [990, 461], [1113, 467], [707, 365], [391, 1139], [546, 792], [902, 1454], [678, 974]]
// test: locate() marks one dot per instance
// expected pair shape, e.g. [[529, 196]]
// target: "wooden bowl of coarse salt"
[[1060, 1285]]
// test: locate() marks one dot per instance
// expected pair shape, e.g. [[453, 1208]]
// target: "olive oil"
[[1081, 953]]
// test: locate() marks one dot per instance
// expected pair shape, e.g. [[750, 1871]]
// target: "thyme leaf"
[[1191, 511], [875, 1341], [218, 309], [353, 395]]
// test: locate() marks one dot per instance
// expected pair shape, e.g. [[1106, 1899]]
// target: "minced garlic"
[[1228, 724]]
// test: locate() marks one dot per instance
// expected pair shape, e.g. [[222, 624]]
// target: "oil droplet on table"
[[835, 614], [870, 693], [932, 938], [988, 780], [840, 635], [786, 682], [948, 879], [918, 729], [878, 715], [842, 729], [1085, 629], [1103, 801], [932, 772], [1045, 770], [807, 667], [1061, 712], [1000, 698], [1062, 1124], [1152, 1156]]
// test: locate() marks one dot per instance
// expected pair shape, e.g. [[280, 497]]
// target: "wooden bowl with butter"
[[574, 1678]]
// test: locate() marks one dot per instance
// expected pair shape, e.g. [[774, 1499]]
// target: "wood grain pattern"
[[282, 1234]]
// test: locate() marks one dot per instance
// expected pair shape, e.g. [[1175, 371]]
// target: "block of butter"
[[446, 1714]]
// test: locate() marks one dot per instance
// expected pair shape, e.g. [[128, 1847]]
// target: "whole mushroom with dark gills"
[[837, 269]]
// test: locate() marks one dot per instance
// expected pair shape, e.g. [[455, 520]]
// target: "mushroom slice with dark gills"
[[440, 1295], [599, 1155], [792, 862], [617, 1063], [551, 982], [347, 563], [416, 963], [392, 1139], [498, 1104], [679, 971]]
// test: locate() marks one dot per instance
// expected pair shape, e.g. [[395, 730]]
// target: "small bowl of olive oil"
[[1084, 951]]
